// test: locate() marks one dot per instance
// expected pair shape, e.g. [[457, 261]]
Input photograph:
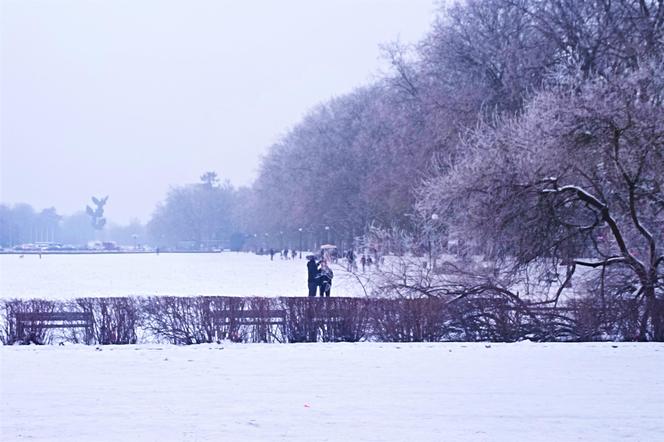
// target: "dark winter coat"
[[312, 270]]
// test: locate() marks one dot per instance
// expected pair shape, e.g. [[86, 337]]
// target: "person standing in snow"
[[350, 257], [313, 275], [325, 279]]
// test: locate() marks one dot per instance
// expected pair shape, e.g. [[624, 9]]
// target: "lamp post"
[[300, 230], [327, 234]]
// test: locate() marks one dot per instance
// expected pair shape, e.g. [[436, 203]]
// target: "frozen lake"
[[176, 274]]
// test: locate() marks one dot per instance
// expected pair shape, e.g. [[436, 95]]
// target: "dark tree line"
[[21, 224]]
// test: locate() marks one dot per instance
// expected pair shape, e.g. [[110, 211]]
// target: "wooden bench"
[[28, 323], [260, 325]]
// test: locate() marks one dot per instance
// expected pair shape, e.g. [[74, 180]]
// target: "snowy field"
[[177, 274], [333, 392]]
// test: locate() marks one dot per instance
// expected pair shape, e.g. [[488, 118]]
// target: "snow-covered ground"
[[177, 274], [303, 392], [335, 392]]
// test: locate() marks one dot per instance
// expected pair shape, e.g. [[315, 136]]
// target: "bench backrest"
[[34, 321], [54, 316]]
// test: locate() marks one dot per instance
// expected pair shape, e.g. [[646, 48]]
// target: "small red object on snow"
[[307, 406]]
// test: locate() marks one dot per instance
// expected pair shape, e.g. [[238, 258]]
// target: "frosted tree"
[[576, 180], [201, 213]]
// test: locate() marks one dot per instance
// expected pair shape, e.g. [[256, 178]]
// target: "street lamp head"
[[434, 217], [327, 227], [300, 229]]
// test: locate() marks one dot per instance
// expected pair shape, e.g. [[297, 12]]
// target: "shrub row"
[[205, 319]]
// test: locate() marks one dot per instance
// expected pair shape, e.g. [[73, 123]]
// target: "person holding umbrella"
[[325, 279]]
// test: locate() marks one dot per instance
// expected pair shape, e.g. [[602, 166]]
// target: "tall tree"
[[201, 213], [576, 179]]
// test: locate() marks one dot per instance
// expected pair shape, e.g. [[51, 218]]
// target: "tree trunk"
[[655, 312], [657, 317]]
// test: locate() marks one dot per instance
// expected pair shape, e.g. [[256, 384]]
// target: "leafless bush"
[[595, 321], [300, 319], [211, 318], [180, 320], [487, 319], [344, 319], [115, 319], [409, 320], [490, 317]]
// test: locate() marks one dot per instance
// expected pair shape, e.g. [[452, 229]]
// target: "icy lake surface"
[[333, 392], [177, 274]]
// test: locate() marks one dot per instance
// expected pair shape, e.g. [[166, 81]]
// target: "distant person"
[[271, 254], [363, 261], [350, 257], [312, 275], [325, 279], [294, 253]]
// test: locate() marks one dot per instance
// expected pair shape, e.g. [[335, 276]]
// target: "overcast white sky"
[[129, 97]]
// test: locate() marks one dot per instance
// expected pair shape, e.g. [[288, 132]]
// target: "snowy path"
[[336, 392]]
